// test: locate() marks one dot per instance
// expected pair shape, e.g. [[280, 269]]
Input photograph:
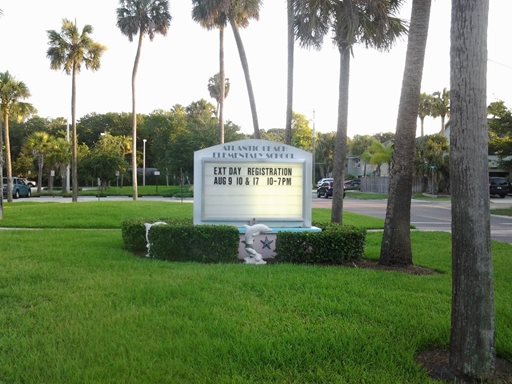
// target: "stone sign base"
[[265, 243]]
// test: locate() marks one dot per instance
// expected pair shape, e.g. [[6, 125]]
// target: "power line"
[[497, 62]]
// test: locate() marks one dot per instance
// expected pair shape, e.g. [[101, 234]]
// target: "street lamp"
[[144, 162]]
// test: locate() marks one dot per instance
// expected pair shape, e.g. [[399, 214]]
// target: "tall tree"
[[377, 154], [39, 144], [441, 106], [215, 90], [370, 22], [141, 17], [211, 14], [11, 92], [473, 327], [69, 50], [396, 241], [240, 12], [1, 167], [324, 153], [358, 147], [425, 109], [290, 11]]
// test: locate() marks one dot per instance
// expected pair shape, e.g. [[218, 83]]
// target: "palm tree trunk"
[[422, 121], [442, 124], [396, 241], [8, 163], [245, 66], [74, 148], [134, 121], [222, 84], [289, 89], [473, 323], [1, 169], [340, 150], [40, 164]]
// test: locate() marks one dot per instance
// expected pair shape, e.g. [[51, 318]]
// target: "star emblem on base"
[[266, 243]]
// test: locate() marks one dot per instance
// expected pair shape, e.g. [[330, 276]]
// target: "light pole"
[[313, 142], [68, 169], [144, 162]]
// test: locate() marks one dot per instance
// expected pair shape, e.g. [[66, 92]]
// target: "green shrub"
[[134, 232], [201, 243], [334, 245]]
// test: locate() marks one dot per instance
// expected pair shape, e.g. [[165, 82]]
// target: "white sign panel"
[[242, 190], [247, 180]]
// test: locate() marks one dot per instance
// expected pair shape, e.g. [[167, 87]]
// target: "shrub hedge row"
[[182, 241], [200, 243], [134, 232], [334, 245]]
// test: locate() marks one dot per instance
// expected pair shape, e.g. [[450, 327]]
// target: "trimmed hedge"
[[201, 243], [334, 245], [134, 232], [182, 241]]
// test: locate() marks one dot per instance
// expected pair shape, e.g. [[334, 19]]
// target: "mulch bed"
[[436, 363]]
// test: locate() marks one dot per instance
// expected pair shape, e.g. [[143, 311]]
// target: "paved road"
[[425, 215]]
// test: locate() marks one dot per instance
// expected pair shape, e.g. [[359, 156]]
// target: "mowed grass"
[[77, 308], [112, 214]]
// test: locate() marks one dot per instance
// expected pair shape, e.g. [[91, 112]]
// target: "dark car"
[[354, 184], [19, 188], [499, 186], [325, 190]]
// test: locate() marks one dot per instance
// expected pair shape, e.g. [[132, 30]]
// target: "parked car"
[[19, 188], [325, 190], [354, 184], [30, 183], [499, 186], [323, 180]]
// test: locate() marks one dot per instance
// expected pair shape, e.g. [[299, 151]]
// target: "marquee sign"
[[252, 180]]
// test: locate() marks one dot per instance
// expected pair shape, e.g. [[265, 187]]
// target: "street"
[[426, 215]]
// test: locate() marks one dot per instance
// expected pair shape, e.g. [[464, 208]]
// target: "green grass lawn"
[[147, 190], [78, 308], [112, 214], [502, 211]]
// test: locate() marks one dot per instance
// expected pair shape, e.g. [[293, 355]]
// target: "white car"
[[321, 181], [30, 183]]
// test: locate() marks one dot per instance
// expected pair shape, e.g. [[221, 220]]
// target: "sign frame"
[[261, 154]]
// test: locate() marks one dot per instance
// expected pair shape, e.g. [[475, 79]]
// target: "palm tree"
[[69, 50], [378, 154], [425, 109], [216, 14], [142, 17], [211, 14], [215, 89], [371, 23], [11, 92], [473, 327], [240, 12], [38, 144], [396, 241], [1, 166], [289, 83], [441, 106]]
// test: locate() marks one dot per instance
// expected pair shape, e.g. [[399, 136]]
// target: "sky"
[[175, 69]]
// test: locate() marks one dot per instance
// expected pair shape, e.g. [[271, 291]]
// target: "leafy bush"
[[201, 243], [334, 245], [134, 232]]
